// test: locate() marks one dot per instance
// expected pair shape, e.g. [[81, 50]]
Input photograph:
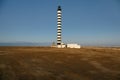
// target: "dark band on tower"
[[59, 16]]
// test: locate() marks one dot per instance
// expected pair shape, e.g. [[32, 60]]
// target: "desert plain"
[[46, 63]]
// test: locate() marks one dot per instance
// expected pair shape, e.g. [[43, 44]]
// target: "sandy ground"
[[44, 63]]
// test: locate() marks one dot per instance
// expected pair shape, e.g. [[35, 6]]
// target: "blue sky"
[[94, 22]]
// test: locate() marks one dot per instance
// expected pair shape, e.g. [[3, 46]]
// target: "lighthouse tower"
[[59, 28]]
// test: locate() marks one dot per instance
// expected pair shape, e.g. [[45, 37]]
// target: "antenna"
[[58, 2]]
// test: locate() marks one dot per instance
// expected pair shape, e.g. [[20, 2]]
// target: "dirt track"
[[37, 63]]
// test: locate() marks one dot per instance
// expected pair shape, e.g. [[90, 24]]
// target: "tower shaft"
[[59, 28]]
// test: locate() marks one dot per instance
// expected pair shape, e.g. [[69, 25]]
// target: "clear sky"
[[94, 22]]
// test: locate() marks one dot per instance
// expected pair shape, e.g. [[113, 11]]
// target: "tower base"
[[61, 46]]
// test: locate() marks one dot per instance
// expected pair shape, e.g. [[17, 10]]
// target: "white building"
[[73, 46]]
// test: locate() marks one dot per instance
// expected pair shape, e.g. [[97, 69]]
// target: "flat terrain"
[[40, 63]]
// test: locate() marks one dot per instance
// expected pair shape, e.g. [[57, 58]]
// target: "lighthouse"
[[59, 28], [60, 44]]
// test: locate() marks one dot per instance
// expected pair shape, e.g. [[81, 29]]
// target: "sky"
[[87, 22]]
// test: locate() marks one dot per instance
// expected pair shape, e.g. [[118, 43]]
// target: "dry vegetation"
[[37, 63]]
